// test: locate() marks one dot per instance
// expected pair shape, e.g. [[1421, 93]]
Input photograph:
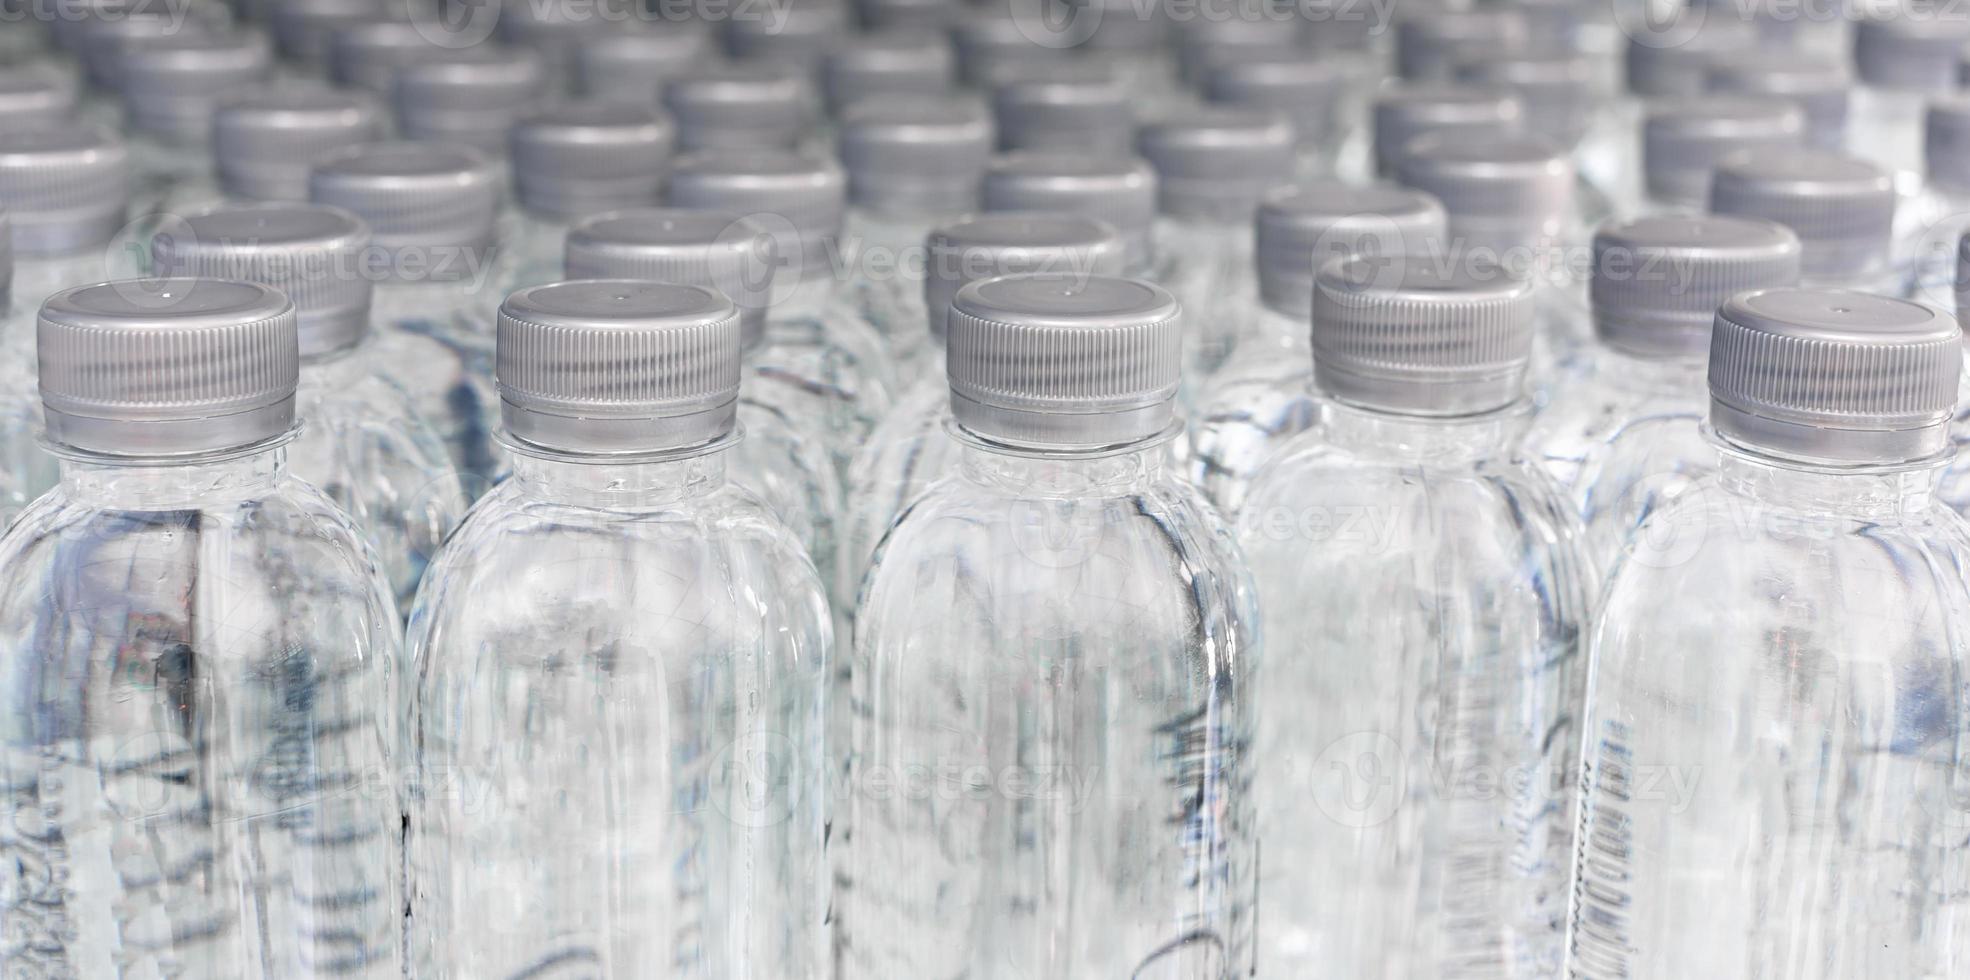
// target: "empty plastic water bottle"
[[634, 64], [202, 663], [796, 38], [1432, 40], [1771, 781], [741, 107], [1403, 113], [361, 440], [1841, 207], [264, 144], [1904, 55], [904, 63], [1683, 141], [1317, 95], [1623, 433], [1116, 189], [1053, 672], [35, 96], [572, 162], [431, 212], [470, 96], [621, 665], [1933, 219], [170, 87], [1819, 83], [1079, 106]]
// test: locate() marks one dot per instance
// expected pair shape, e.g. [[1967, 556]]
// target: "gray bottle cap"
[[264, 144], [797, 33], [1912, 49], [1217, 161], [618, 366], [797, 198], [66, 188], [1329, 27], [1013, 243], [897, 63], [1421, 335], [6, 258], [740, 108], [1117, 189], [470, 96], [915, 153], [1503, 191], [1079, 106], [1401, 114], [1816, 83], [34, 96], [171, 84], [1430, 45], [1556, 90], [582, 158], [554, 29], [1842, 208], [1064, 361], [429, 206], [635, 65], [1206, 46], [1946, 143], [697, 248], [1116, 29], [104, 39], [167, 367], [1657, 281], [1301, 228], [1832, 375], [1672, 58], [311, 252], [885, 15], [370, 55], [302, 28], [993, 43], [1683, 140], [1307, 91]]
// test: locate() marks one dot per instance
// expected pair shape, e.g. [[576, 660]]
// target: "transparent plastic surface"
[[824, 364], [435, 341], [534, 252], [886, 286], [1774, 756], [1262, 397], [1425, 613], [620, 685], [1208, 266], [1931, 224], [201, 678], [783, 461], [1048, 773], [909, 451]]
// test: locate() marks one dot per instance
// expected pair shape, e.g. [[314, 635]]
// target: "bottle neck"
[[608, 483], [1422, 438], [192, 483], [1028, 473], [1874, 493]]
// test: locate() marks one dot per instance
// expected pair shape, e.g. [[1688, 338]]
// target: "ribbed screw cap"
[[1672, 58], [993, 43], [1912, 48], [1818, 84], [915, 152], [1064, 361], [1555, 90], [302, 29], [1429, 45], [618, 366], [583, 158], [697, 248], [104, 37], [1307, 91], [1657, 281], [1069, 105], [1834, 375], [798, 34], [1683, 140], [264, 144], [1205, 46], [740, 108], [1402, 114], [1502, 190], [1946, 142], [311, 252], [634, 65], [1303, 227], [1117, 189], [889, 64], [35, 96], [65, 187], [172, 84], [1842, 208], [164, 367], [797, 198], [1421, 334], [1014, 243], [1217, 161], [430, 206], [369, 55], [469, 96]]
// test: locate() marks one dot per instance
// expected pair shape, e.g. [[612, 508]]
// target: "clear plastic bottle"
[[1427, 587], [1623, 432], [1841, 207], [1772, 736], [1904, 55], [264, 144], [431, 212], [1683, 140], [1077, 106], [202, 664], [1932, 220], [1402, 113], [817, 346], [741, 108], [1955, 488], [913, 162], [1264, 395], [471, 96], [620, 672], [571, 162], [1213, 164], [361, 440], [1053, 670], [1319, 96], [1819, 82], [170, 86], [1114, 188]]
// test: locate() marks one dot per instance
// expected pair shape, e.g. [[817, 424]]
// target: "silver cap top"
[[1842, 208], [1429, 45], [1402, 114], [1014, 243], [1657, 282], [1556, 90], [1672, 58], [1307, 91], [1946, 142], [1119, 190], [471, 95], [430, 206], [1831, 375], [167, 367], [697, 248], [311, 252], [35, 96], [1912, 49], [740, 108], [582, 158], [1502, 190], [264, 144], [799, 199], [1070, 105], [1217, 161], [65, 187], [1420, 335], [1064, 361], [617, 366], [1303, 227], [1683, 140], [171, 84], [634, 65], [887, 64], [915, 153]]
